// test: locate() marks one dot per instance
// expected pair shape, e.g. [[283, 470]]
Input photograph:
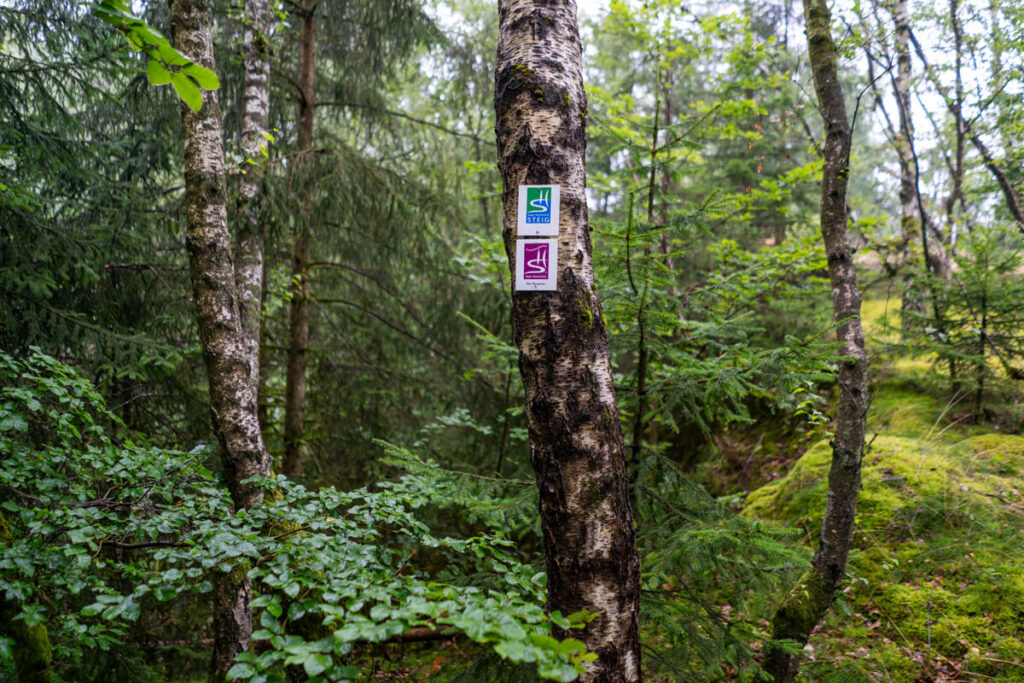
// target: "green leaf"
[[513, 650], [581, 618], [543, 641], [157, 73], [15, 422], [206, 79], [316, 664], [571, 646], [165, 592], [171, 56], [188, 91], [241, 670]]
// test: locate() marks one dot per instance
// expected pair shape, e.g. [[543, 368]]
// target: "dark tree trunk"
[[808, 602], [227, 355], [298, 313], [576, 442]]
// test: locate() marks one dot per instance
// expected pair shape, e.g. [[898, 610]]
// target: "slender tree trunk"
[[219, 311], [249, 245], [576, 444], [642, 353], [956, 192], [298, 313], [997, 43], [982, 365], [262, 400], [910, 222], [811, 598]]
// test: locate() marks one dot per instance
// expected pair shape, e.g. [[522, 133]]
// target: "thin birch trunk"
[[576, 443], [249, 243], [956, 193], [910, 221], [218, 308], [298, 313], [811, 598]]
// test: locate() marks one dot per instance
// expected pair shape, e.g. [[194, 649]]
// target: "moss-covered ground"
[[936, 583]]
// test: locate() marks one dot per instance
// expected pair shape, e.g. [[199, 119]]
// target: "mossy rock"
[[937, 580], [897, 474]]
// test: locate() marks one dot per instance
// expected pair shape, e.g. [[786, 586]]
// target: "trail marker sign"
[[538, 210], [536, 265]]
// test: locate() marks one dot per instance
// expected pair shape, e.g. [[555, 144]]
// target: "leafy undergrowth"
[[936, 585]]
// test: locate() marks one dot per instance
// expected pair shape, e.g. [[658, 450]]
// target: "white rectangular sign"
[[538, 210], [536, 265]]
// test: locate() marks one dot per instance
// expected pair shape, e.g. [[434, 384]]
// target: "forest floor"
[[936, 586]]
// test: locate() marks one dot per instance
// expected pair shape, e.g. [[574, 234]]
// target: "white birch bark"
[[249, 243], [576, 440], [225, 352]]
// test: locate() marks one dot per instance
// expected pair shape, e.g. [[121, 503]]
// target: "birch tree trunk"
[[229, 364], [956, 192], [298, 312], [249, 244], [810, 599], [910, 222], [576, 444]]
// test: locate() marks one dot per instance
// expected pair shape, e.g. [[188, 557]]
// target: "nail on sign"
[[536, 265], [538, 210]]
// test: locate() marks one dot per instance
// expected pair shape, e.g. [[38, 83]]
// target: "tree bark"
[[910, 222], [219, 312], [298, 312], [956, 192], [249, 243], [576, 443], [808, 602]]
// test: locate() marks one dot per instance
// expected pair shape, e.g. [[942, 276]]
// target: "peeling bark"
[[298, 311], [808, 602], [576, 443], [229, 364]]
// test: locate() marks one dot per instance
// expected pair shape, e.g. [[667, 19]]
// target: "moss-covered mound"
[[936, 587]]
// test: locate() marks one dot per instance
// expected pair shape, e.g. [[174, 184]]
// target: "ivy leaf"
[[157, 73], [188, 91]]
